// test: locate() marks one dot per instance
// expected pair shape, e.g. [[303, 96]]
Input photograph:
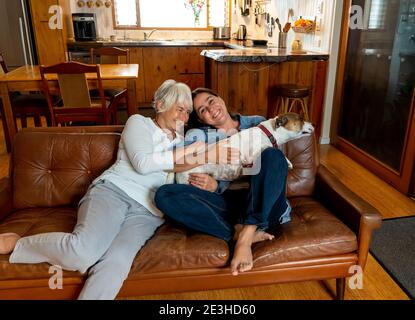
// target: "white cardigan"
[[144, 155]]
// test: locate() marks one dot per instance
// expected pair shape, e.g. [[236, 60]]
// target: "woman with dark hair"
[[207, 206]]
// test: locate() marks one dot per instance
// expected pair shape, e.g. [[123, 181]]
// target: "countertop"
[[262, 55], [237, 51], [145, 43]]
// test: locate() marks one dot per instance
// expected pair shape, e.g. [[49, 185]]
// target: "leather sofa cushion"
[[30, 222], [312, 232], [175, 248], [52, 169]]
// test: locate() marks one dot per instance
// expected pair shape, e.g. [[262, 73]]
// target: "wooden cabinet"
[[160, 64], [50, 43], [190, 61], [40, 9], [184, 64], [136, 56]]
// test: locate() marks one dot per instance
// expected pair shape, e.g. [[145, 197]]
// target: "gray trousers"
[[110, 230]]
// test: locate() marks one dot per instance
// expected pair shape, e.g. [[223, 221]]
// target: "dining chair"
[[109, 55], [25, 105], [78, 105], [112, 55]]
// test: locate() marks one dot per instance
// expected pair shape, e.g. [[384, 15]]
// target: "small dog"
[[251, 142]]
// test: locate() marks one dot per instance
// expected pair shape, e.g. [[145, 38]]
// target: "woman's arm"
[[199, 153], [147, 155]]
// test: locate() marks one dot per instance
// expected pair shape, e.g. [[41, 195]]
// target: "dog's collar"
[[269, 135]]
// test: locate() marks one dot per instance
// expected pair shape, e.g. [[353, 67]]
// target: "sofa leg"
[[340, 288]]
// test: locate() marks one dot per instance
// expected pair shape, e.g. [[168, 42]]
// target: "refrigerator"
[[17, 42]]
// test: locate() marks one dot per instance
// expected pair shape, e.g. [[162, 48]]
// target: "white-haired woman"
[[118, 215]]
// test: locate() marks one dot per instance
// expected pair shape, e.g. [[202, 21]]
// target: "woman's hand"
[[203, 181], [222, 153]]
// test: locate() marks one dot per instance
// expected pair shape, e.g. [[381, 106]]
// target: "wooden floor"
[[377, 284]]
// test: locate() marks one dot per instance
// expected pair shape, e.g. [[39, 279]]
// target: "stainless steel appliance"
[[241, 34], [16, 37], [221, 33], [84, 26]]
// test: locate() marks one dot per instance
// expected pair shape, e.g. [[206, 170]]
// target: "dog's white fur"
[[251, 142]]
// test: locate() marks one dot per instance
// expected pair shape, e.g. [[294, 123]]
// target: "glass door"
[[376, 110]]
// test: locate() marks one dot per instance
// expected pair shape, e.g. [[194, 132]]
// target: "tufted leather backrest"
[[54, 167], [303, 154]]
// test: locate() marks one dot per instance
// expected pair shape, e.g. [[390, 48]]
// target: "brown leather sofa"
[[51, 169]]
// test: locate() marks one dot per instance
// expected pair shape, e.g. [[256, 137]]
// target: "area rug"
[[393, 246]]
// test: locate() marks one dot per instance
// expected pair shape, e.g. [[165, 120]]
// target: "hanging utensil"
[[272, 27], [287, 27], [290, 14], [267, 21], [279, 24]]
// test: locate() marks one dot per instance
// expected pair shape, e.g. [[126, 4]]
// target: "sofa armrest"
[[6, 197], [355, 212]]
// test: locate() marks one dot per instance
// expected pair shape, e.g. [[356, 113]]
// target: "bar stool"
[[293, 98]]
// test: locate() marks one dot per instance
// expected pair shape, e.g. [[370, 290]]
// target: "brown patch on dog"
[[290, 121]]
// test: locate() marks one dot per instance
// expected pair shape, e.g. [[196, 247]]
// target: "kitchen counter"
[[78, 45], [237, 51], [262, 54]]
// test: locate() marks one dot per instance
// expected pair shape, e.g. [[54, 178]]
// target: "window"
[[171, 14]]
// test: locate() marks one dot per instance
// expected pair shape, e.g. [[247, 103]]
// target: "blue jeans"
[[215, 214]]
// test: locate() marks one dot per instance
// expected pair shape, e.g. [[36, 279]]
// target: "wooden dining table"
[[27, 78]]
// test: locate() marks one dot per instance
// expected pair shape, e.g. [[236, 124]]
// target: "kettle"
[[241, 34]]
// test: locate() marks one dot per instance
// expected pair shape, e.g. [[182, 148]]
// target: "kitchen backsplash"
[[320, 40]]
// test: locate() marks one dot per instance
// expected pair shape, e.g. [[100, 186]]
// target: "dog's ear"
[[281, 121]]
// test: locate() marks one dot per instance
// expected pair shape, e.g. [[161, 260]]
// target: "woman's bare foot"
[[8, 242], [258, 236], [242, 258]]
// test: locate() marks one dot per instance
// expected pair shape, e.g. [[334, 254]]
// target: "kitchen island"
[[247, 79]]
